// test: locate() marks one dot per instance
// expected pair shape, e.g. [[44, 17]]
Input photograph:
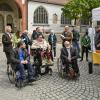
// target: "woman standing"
[[16, 38]]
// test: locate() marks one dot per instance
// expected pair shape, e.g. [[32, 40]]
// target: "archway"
[[11, 13]]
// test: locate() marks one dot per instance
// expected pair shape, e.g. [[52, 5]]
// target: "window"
[[9, 19], [84, 21], [40, 16], [65, 20], [55, 18]]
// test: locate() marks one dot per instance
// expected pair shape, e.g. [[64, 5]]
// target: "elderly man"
[[69, 57], [7, 42], [52, 39], [66, 35]]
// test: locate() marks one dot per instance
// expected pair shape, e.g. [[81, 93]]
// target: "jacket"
[[85, 41], [7, 43], [54, 39], [97, 40], [64, 55], [14, 57]]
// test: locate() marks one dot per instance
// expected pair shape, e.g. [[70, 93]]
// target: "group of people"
[[17, 54], [16, 48]]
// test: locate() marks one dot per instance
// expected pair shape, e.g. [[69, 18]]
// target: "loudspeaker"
[[90, 66]]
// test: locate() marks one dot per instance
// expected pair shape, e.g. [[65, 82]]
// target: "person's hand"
[[98, 45], [26, 61], [69, 59], [11, 40], [22, 62]]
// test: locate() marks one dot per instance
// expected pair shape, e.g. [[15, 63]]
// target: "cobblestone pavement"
[[87, 87]]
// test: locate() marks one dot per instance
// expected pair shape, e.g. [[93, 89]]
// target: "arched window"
[[65, 20], [10, 21], [55, 18], [40, 16]]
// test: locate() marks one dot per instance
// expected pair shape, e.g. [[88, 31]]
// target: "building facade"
[[14, 13], [47, 15], [28, 14]]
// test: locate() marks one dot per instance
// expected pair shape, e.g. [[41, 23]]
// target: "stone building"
[[28, 14]]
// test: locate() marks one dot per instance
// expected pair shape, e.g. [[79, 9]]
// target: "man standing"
[[7, 42], [85, 44], [25, 38], [75, 41], [52, 39], [66, 35], [97, 38]]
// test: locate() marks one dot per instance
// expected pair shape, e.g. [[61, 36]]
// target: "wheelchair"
[[11, 74], [40, 61], [65, 72], [14, 74]]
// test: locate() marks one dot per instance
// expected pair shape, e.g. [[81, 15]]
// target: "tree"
[[76, 9]]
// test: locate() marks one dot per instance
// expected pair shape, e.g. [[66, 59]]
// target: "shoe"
[[32, 79]]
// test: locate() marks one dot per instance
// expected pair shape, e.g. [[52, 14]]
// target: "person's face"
[[40, 38], [66, 29], [9, 29], [97, 29], [23, 46], [67, 44]]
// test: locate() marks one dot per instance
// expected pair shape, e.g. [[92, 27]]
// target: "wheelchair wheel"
[[11, 74]]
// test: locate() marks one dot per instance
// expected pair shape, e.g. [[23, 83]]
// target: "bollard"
[[90, 65]]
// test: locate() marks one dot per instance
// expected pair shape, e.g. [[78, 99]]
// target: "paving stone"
[[52, 87]]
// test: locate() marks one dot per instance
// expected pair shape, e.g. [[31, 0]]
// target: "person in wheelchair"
[[44, 54], [69, 59], [20, 61]]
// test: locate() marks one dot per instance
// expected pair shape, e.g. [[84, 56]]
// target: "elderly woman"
[[42, 53], [46, 54], [40, 43]]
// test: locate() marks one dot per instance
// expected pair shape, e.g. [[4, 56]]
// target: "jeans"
[[21, 68], [76, 45], [84, 49]]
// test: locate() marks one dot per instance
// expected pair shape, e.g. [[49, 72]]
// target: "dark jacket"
[[54, 40], [97, 40], [7, 44], [35, 35], [14, 57], [65, 61], [64, 54], [76, 35], [26, 39]]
